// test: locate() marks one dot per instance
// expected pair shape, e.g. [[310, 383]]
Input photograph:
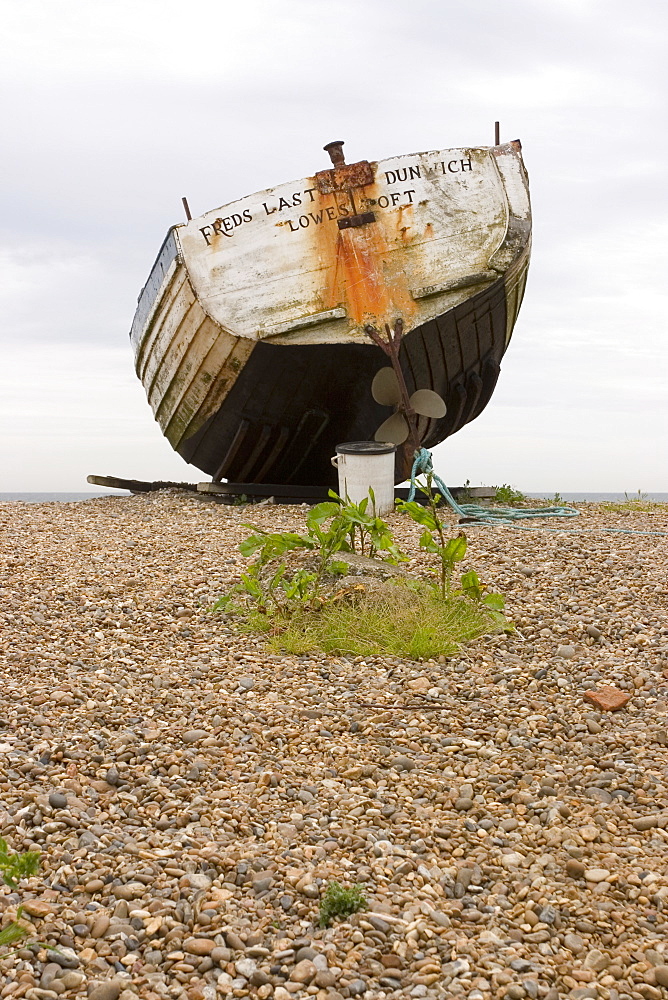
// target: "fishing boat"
[[256, 336]]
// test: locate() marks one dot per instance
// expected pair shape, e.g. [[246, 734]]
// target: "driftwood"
[[269, 492], [137, 485]]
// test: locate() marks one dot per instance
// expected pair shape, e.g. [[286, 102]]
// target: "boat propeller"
[[386, 390], [389, 389]]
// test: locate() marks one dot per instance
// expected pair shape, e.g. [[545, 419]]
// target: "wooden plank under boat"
[[249, 335]]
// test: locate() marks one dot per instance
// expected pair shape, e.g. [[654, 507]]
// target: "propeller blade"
[[394, 430], [428, 403], [385, 388]]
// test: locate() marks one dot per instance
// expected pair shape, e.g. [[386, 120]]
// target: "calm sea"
[[58, 497], [573, 497], [603, 497]]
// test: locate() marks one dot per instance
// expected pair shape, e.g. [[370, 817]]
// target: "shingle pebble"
[[192, 792]]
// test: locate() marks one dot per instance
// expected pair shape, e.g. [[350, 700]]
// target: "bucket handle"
[[335, 460]]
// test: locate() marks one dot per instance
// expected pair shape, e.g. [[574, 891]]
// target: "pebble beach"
[[193, 793]]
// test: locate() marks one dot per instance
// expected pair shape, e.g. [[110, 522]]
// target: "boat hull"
[[291, 406], [271, 407]]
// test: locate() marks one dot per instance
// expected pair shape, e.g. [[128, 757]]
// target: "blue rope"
[[582, 531], [473, 512], [503, 515]]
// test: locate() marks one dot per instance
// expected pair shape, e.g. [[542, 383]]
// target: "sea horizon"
[[573, 497]]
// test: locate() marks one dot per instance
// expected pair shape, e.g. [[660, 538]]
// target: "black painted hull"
[[291, 405]]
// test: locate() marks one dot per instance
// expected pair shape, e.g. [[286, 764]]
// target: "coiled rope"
[[423, 465], [502, 516]]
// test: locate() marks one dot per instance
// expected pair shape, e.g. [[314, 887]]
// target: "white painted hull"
[[280, 286]]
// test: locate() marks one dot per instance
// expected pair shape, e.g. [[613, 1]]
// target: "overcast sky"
[[114, 110]]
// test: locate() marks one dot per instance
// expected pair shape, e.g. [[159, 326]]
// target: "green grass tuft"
[[340, 902], [638, 502], [406, 621]]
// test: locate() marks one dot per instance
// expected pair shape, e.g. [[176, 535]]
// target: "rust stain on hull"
[[364, 272]]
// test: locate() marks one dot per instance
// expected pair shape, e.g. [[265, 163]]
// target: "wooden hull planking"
[[253, 353]]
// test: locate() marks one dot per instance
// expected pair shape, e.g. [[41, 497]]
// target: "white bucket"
[[365, 465]]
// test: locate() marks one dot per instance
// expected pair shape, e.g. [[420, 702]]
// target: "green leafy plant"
[[433, 539], [338, 901], [270, 588], [465, 495], [508, 496], [13, 868], [289, 593], [367, 530], [472, 588]]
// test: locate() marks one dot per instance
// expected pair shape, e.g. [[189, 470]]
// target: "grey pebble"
[[661, 975], [515, 992], [49, 973], [259, 978], [57, 800], [645, 822], [234, 941], [221, 955], [195, 735], [574, 943], [403, 763], [246, 967], [548, 915], [600, 794], [66, 958], [464, 877], [109, 990], [305, 952]]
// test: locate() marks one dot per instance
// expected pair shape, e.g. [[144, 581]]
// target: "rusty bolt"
[[335, 150]]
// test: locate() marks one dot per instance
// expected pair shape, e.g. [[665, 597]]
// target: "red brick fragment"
[[607, 698]]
